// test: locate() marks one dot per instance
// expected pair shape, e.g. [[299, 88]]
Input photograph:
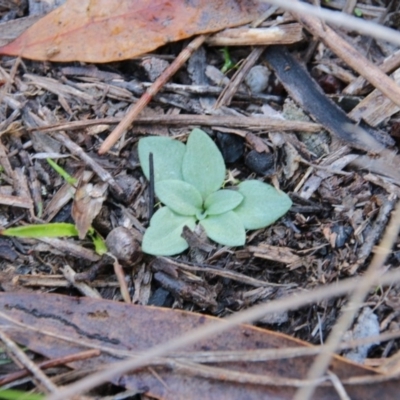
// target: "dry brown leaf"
[[88, 201], [56, 326], [111, 30]]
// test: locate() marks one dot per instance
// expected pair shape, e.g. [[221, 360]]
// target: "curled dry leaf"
[[111, 30], [87, 204]]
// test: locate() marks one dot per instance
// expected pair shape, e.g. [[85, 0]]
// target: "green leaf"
[[167, 157], [203, 165], [226, 229], [163, 236], [262, 204], [181, 197], [59, 229], [11, 394], [99, 243], [222, 201]]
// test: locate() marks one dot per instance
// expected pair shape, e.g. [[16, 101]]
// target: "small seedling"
[[188, 180], [58, 229], [228, 63], [61, 171]]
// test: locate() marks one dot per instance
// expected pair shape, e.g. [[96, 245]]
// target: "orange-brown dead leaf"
[[111, 30]]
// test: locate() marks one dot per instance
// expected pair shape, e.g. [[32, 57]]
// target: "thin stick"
[[151, 186], [340, 19], [150, 92], [84, 355], [24, 360]]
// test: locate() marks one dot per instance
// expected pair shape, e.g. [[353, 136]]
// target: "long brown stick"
[[351, 56], [150, 92]]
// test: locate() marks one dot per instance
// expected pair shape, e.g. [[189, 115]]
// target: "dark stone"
[[160, 298], [343, 233], [231, 146], [6, 250], [260, 163]]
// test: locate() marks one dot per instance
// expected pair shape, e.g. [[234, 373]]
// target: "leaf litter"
[[342, 189]]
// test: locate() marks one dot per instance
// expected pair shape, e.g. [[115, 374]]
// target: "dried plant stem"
[[341, 19], [150, 92], [322, 361], [85, 289], [23, 361], [228, 121], [84, 355]]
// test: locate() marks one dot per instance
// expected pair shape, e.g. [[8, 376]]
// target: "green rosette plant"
[[188, 180]]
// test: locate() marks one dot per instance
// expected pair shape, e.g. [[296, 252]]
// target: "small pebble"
[[154, 67], [343, 234], [260, 163], [257, 79], [231, 146], [160, 298]]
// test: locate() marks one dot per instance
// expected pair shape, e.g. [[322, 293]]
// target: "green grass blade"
[[59, 229], [100, 246], [61, 171], [10, 394]]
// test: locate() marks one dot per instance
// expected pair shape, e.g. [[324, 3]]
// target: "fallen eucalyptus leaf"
[[99, 31]]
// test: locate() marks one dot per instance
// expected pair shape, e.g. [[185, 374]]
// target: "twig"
[[83, 355], [24, 360], [340, 19], [85, 289], [71, 248], [251, 123], [119, 272], [150, 92], [151, 186], [230, 89], [338, 385], [235, 276]]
